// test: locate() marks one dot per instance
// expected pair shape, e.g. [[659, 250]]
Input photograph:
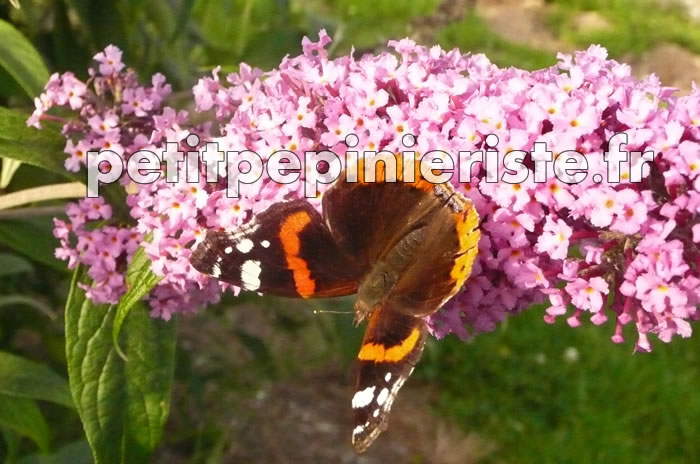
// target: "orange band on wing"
[[378, 353], [469, 234], [467, 229], [289, 235]]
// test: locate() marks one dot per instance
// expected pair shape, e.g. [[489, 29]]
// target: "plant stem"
[[43, 193]]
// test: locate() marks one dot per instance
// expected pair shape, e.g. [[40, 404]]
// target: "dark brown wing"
[[430, 264], [368, 218], [443, 260], [392, 346], [285, 250]]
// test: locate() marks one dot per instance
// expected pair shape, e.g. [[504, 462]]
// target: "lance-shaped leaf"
[[32, 238], [24, 417], [23, 378], [123, 405], [73, 453], [42, 148], [19, 59], [140, 279]]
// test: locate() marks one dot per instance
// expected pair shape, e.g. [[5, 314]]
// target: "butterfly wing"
[[291, 250], [391, 347], [369, 218], [424, 239], [444, 257], [285, 250], [431, 262]]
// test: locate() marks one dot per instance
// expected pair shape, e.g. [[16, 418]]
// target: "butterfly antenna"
[[328, 311]]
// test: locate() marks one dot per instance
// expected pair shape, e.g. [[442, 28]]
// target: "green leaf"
[[123, 405], [21, 60], [103, 22], [28, 300], [9, 86], [24, 417], [33, 239], [73, 453], [184, 15], [139, 281], [42, 148], [12, 264], [20, 377], [12, 444]]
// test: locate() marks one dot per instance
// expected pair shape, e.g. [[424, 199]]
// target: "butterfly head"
[[363, 311]]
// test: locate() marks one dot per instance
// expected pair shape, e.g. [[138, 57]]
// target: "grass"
[[473, 35], [555, 394], [635, 26], [540, 393], [365, 25]]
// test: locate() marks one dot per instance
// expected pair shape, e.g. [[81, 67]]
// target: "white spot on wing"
[[387, 377], [228, 250], [245, 245], [361, 429], [250, 275], [265, 244], [215, 271], [363, 397], [376, 413], [383, 395], [394, 390]]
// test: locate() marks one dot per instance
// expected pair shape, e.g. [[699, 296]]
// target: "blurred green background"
[[268, 380]]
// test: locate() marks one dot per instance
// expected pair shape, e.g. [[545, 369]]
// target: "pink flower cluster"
[[115, 112], [627, 250]]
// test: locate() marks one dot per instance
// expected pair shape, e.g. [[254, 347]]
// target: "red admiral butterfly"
[[404, 247]]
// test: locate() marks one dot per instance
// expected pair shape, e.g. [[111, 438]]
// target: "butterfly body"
[[377, 286], [404, 247]]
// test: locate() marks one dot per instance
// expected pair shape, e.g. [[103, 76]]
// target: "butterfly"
[[404, 245]]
